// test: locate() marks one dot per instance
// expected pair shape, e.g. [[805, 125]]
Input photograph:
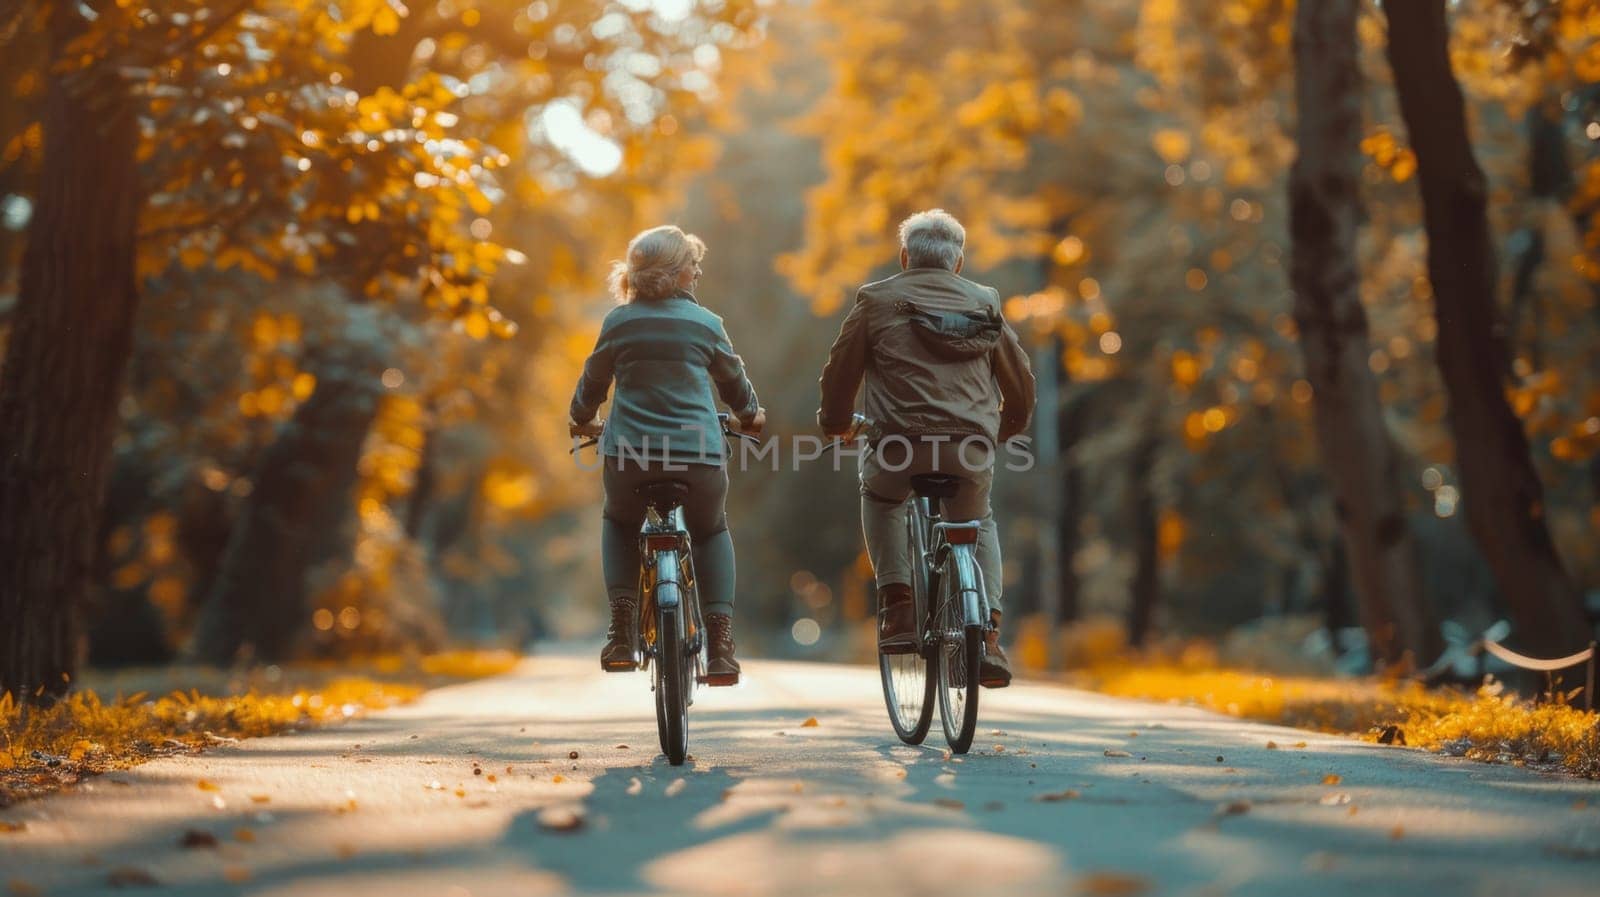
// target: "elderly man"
[[945, 372]]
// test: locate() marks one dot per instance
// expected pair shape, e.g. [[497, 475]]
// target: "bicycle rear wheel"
[[672, 705], [908, 685], [960, 653]]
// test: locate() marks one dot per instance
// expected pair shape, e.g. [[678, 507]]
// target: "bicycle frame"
[[666, 558], [940, 547]]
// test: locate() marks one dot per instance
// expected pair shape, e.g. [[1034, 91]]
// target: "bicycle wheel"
[[672, 708], [907, 686], [960, 653]]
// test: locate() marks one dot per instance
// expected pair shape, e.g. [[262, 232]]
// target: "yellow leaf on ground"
[[208, 785], [1110, 884], [810, 723]]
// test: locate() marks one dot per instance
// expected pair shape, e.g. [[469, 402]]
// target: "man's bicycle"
[[671, 631], [952, 613]]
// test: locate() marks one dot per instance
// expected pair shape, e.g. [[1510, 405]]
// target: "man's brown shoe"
[[721, 668], [897, 624], [621, 653], [995, 671]]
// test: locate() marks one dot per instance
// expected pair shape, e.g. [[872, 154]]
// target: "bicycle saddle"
[[663, 493], [935, 485]]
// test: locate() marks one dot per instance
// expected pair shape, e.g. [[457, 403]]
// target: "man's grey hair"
[[932, 239]]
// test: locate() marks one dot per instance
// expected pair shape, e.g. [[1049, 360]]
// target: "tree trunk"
[[71, 337], [1501, 493], [258, 607], [1360, 456], [1073, 425], [1147, 551]]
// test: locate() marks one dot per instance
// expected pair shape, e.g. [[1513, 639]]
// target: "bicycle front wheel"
[[908, 681], [960, 653], [672, 686]]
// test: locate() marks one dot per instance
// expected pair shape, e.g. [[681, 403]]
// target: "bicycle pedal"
[[721, 680]]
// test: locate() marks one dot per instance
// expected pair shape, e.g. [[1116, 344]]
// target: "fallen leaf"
[[1331, 779], [345, 850], [197, 838], [1272, 745], [561, 819], [1300, 744], [1110, 884], [1112, 753], [1397, 833], [1320, 861], [1053, 796], [236, 874], [1236, 808], [261, 798], [7, 828], [558, 778], [461, 792], [949, 803], [244, 835], [130, 877], [622, 747], [492, 778], [208, 785], [810, 723]]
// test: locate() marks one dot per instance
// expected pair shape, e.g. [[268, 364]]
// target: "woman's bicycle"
[[671, 631], [952, 613]]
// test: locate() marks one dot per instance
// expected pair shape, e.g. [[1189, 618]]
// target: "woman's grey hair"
[[933, 238]]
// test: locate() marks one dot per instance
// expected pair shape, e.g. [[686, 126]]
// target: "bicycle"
[[671, 631], [952, 610]]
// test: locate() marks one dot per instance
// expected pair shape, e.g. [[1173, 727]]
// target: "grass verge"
[[113, 722], [1488, 725]]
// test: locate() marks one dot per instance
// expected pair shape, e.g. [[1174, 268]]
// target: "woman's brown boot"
[[621, 653], [721, 668]]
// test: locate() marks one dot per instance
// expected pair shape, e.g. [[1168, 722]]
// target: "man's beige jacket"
[[913, 389]]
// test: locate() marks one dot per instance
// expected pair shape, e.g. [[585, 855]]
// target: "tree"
[[92, 238], [1501, 492], [70, 339], [1356, 447]]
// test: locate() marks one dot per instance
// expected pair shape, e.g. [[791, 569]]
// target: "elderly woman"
[[666, 352]]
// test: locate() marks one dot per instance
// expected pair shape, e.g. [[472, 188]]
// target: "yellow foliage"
[[1484, 725], [90, 732]]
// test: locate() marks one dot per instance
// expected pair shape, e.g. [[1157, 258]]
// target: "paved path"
[[1152, 799]]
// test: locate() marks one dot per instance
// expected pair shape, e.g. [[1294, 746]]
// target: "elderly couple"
[[941, 368]]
